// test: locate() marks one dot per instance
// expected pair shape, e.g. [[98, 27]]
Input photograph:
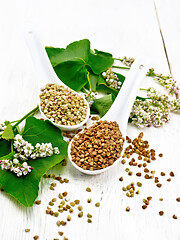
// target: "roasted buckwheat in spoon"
[[99, 147], [65, 108]]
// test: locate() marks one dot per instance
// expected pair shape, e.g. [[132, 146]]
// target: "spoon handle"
[[44, 70], [123, 103]]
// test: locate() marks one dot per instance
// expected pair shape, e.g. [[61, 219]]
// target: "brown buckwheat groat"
[[98, 146]]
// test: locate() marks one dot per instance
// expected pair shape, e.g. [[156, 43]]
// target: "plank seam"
[[162, 37]]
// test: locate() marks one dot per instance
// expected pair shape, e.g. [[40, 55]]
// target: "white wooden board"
[[123, 28]]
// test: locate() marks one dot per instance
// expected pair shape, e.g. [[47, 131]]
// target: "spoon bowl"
[[46, 74], [121, 107]]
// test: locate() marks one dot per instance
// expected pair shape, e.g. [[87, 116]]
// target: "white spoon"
[[121, 107], [46, 74]]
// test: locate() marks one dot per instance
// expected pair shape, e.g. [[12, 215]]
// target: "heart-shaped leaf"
[[8, 133], [25, 189]]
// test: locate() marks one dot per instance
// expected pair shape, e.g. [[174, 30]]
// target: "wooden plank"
[[169, 18]]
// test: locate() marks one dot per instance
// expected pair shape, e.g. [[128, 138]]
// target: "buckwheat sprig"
[[24, 152], [166, 81], [111, 79], [15, 166], [153, 111]]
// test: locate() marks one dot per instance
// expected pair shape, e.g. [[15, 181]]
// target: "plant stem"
[[31, 113], [12, 147], [90, 90], [14, 121], [143, 89], [120, 67], [118, 59]]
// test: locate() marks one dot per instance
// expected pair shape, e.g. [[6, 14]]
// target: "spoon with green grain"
[[48, 79]]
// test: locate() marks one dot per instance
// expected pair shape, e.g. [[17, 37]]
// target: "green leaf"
[[73, 64], [102, 105], [7, 123], [53, 54], [121, 78], [72, 73], [8, 156], [25, 189], [8, 133], [99, 63], [104, 87], [93, 80], [5, 147], [78, 50], [101, 53], [93, 111]]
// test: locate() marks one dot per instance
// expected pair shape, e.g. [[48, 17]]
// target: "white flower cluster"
[[15, 166], [154, 111], [166, 81], [169, 83], [24, 152], [176, 106], [127, 61], [90, 96], [111, 79]]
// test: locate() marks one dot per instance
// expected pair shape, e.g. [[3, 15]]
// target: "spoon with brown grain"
[[98, 148]]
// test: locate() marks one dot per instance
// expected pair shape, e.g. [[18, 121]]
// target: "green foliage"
[[92, 81], [105, 54], [102, 105], [102, 86], [99, 63], [74, 64], [8, 156], [8, 133], [77, 50], [25, 189], [72, 73]]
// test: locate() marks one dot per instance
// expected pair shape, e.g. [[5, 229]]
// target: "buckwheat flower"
[[42, 147], [26, 170], [17, 145], [43, 154], [24, 164], [16, 170], [176, 105], [19, 173], [16, 155], [23, 157], [2, 166], [37, 145], [15, 161], [49, 152], [12, 168], [33, 156], [108, 71], [7, 164], [28, 149], [111, 79], [23, 142], [157, 108], [56, 150], [18, 138], [48, 145], [104, 74], [127, 61]]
